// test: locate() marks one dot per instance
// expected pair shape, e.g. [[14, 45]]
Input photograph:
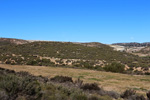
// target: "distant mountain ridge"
[[133, 44]]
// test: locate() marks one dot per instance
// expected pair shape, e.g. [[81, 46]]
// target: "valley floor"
[[109, 81]]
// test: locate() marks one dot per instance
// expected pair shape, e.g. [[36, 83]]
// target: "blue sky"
[[106, 21]]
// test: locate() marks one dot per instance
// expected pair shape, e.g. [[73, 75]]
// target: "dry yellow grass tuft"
[[107, 80]]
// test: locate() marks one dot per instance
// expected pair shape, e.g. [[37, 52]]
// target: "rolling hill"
[[49, 53]]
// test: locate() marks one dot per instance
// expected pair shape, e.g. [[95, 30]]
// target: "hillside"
[[145, 50], [87, 55], [6, 41], [140, 49]]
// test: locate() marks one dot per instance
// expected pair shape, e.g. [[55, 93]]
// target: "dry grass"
[[109, 81]]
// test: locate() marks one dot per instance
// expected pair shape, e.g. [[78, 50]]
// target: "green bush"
[[90, 86], [62, 79], [78, 96], [105, 98], [32, 62], [93, 98], [14, 86], [46, 62], [114, 67], [128, 93], [3, 95]]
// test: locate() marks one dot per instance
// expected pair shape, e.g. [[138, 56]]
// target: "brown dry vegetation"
[[109, 81]]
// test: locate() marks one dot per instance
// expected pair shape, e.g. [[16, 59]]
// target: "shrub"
[[78, 82], [46, 62], [3, 95], [14, 86], [147, 73], [42, 79], [2, 68], [93, 98], [49, 92], [136, 97], [32, 62], [90, 86], [148, 94], [32, 88], [87, 65], [105, 98], [9, 71], [113, 94], [99, 68], [138, 72], [60, 96], [23, 73], [115, 67], [62, 79], [8, 62], [128, 93], [10, 85], [78, 96], [102, 92]]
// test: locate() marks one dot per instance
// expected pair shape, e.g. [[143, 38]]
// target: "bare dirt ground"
[[107, 80]]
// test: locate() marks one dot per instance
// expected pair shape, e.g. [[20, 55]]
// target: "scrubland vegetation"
[[68, 51], [107, 80], [88, 55], [25, 86], [70, 84]]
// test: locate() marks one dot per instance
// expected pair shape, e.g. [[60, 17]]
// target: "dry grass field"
[[107, 80]]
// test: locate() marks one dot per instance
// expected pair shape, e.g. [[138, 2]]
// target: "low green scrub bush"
[[90, 86], [128, 93], [79, 96], [114, 67], [62, 79], [14, 86]]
